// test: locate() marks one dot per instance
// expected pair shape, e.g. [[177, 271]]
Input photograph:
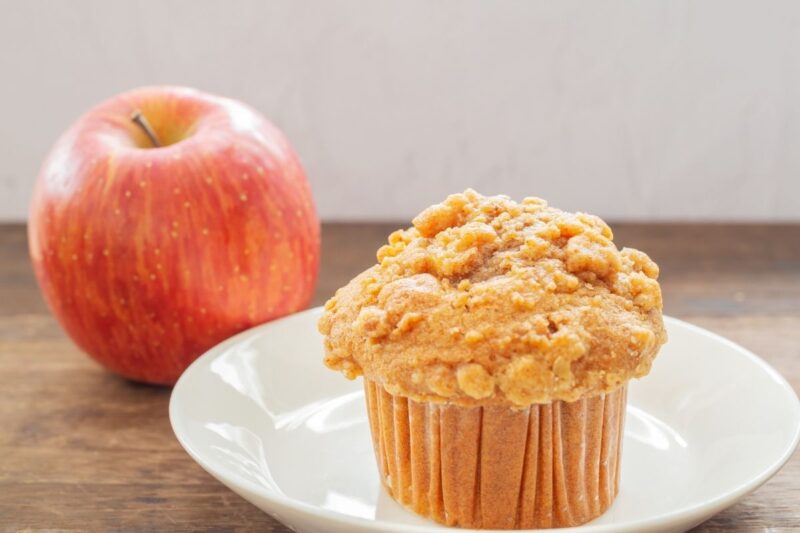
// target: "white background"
[[665, 109]]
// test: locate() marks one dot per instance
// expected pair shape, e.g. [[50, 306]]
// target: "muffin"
[[496, 340]]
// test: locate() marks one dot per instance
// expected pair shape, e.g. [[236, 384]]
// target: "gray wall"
[[666, 109]]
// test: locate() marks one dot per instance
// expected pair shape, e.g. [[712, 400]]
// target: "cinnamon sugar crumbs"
[[487, 300]]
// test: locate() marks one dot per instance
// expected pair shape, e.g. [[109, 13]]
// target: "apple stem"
[[140, 121]]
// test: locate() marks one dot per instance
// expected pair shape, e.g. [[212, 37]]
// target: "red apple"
[[149, 255]]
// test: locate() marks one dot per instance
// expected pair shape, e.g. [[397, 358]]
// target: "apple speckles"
[[74, 257], [105, 252], [204, 231], [243, 197], [159, 266], [128, 194], [186, 204], [142, 184], [245, 177], [203, 310], [117, 211], [260, 171], [173, 234], [148, 164], [209, 180], [152, 277], [157, 251], [177, 155], [176, 190]]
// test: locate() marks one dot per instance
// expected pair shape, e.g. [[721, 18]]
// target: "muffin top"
[[489, 301]]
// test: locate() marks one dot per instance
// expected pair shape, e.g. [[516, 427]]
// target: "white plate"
[[261, 413]]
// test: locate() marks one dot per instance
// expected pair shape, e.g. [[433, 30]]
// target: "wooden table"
[[83, 450]]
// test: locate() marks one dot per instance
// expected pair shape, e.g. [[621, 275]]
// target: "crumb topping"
[[486, 300]]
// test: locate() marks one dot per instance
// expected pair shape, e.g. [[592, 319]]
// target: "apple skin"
[[150, 256]]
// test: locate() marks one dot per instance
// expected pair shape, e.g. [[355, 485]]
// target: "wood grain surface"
[[81, 449]]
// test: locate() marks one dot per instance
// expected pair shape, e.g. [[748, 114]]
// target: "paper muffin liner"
[[492, 467]]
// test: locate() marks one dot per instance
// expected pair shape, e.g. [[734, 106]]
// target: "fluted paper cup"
[[494, 467]]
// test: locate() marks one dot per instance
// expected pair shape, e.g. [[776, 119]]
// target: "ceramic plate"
[[260, 412]]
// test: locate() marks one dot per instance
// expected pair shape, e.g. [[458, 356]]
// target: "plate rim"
[[282, 502]]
